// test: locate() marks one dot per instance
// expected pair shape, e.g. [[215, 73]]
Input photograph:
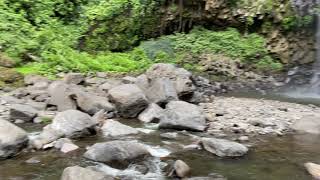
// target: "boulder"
[[109, 84], [33, 79], [313, 169], [308, 124], [129, 100], [161, 91], [182, 116], [73, 78], [60, 93], [70, 123], [181, 169], [180, 77], [12, 139], [79, 173], [116, 151], [91, 103], [112, 128], [151, 114], [142, 82], [129, 80], [23, 112], [224, 148]]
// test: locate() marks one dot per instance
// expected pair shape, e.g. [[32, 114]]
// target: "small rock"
[[68, 147], [151, 114], [224, 148], [129, 80], [116, 151], [313, 169], [243, 138], [79, 173], [181, 169], [169, 135], [73, 78], [33, 160], [22, 112], [113, 128]]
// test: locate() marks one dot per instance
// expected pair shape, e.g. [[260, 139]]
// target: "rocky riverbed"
[[136, 127]]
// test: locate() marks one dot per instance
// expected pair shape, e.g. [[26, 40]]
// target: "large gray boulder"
[[22, 112], [112, 128], [80, 173], [73, 123], [182, 116], [91, 103], [162, 91], [308, 124], [12, 139], [70, 123], [151, 114], [180, 77], [60, 96], [224, 148], [116, 152], [129, 100]]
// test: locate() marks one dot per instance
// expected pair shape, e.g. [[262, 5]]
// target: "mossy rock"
[[10, 77], [5, 61]]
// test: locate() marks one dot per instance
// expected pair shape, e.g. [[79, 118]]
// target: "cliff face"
[[287, 24]]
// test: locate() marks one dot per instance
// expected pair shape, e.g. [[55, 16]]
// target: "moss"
[[5, 61], [10, 77]]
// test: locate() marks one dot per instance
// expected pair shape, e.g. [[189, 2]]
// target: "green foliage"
[[229, 42], [294, 22], [250, 49]]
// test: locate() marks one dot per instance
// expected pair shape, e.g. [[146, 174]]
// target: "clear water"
[[270, 158]]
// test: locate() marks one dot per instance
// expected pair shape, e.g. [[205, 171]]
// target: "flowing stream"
[[276, 158]]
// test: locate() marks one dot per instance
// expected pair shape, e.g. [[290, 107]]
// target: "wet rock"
[[169, 135], [313, 169], [112, 128], [73, 123], [243, 138], [161, 91], [116, 151], [12, 139], [129, 100], [73, 78], [181, 169], [22, 112], [70, 123], [79, 173], [33, 160], [182, 116], [60, 142], [224, 148], [68, 147], [60, 93], [151, 114], [307, 124], [91, 103]]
